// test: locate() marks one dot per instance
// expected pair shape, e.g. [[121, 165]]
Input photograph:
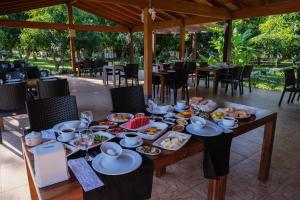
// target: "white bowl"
[[164, 108], [198, 122], [111, 150]]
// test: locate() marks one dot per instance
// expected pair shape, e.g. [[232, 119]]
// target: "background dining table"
[[112, 68], [211, 70], [163, 76]]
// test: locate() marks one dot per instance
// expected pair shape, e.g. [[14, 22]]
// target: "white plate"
[[157, 143], [109, 117], [124, 144], [61, 139], [69, 124], [210, 129], [180, 110], [126, 163], [157, 111], [102, 133], [220, 123], [149, 154], [159, 125]]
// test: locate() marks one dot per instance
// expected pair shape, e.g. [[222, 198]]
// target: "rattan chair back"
[[52, 88], [12, 96]]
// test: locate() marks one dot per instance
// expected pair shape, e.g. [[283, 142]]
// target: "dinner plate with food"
[[153, 130], [99, 138], [108, 123], [120, 117], [172, 140], [187, 114], [237, 113], [117, 131], [148, 150], [136, 123]]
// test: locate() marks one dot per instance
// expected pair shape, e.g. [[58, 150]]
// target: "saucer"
[[61, 139], [124, 144], [220, 123]]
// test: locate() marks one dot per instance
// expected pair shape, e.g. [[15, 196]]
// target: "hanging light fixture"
[[151, 11]]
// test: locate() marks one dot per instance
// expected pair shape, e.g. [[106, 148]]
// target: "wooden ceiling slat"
[[102, 14], [122, 14], [269, 9]]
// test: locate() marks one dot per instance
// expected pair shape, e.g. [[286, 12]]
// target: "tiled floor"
[[184, 180]]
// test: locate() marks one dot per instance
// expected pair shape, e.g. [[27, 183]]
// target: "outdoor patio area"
[[184, 180]]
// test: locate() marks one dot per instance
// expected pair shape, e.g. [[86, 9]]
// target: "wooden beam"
[[121, 13], [269, 9], [227, 42], [180, 6], [131, 49], [182, 42], [153, 45], [71, 37], [57, 26], [147, 53]]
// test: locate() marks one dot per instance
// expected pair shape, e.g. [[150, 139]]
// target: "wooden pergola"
[[169, 13]]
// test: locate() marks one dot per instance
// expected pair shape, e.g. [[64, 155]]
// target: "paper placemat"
[[85, 174]]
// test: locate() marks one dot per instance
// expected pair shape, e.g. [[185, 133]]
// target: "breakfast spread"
[[185, 114], [120, 117], [152, 130], [137, 122]]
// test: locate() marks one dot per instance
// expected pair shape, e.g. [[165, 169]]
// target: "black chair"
[[98, 66], [131, 71], [128, 99], [85, 67], [109, 72], [19, 65], [12, 100], [246, 76], [4, 68], [232, 76], [52, 88], [179, 80], [32, 72], [289, 85], [45, 113], [204, 75], [191, 67]]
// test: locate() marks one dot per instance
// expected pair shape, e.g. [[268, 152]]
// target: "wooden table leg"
[[197, 78], [33, 193], [161, 171], [162, 89], [1, 128], [216, 82], [217, 188], [266, 151]]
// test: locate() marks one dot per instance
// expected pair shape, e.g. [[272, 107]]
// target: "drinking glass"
[[86, 117], [87, 139]]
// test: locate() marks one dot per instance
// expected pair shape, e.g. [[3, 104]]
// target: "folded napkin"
[[216, 155], [48, 134], [207, 106]]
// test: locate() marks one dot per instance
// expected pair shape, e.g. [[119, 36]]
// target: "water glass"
[[87, 117], [86, 140]]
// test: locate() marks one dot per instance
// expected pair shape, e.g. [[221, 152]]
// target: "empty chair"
[[52, 88], [131, 71], [32, 72], [128, 99], [12, 100], [45, 113], [179, 80], [98, 66], [232, 76], [19, 64], [246, 76], [289, 84]]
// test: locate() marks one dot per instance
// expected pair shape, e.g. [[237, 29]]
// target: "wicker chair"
[[131, 71], [128, 99], [232, 76], [32, 72], [12, 102], [246, 76], [45, 113], [52, 88]]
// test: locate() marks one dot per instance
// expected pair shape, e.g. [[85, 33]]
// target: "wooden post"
[[153, 46], [147, 53], [194, 46], [131, 50], [227, 42], [72, 37], [182, 41]]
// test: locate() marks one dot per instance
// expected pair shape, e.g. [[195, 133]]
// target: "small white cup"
[[229, 121], [181, 104], [67, 133], [131, 138]]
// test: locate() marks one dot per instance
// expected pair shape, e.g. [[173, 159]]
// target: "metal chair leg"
[[250, 89], [290, 96], [282, 95], [293, 97]]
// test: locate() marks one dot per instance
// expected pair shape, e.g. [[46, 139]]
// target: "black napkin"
[[216, 155]]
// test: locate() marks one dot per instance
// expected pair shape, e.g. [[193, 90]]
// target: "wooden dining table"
[[71, 189]]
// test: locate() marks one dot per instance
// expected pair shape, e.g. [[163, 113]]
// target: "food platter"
[[99, 138], [148, 150], [237, 113], [172, 140], [108, 123], [187, 114], [152, 131], [117, 131], [120, 117]]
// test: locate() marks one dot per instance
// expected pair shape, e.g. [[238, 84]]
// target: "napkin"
[[48, 134], [216, 155]]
